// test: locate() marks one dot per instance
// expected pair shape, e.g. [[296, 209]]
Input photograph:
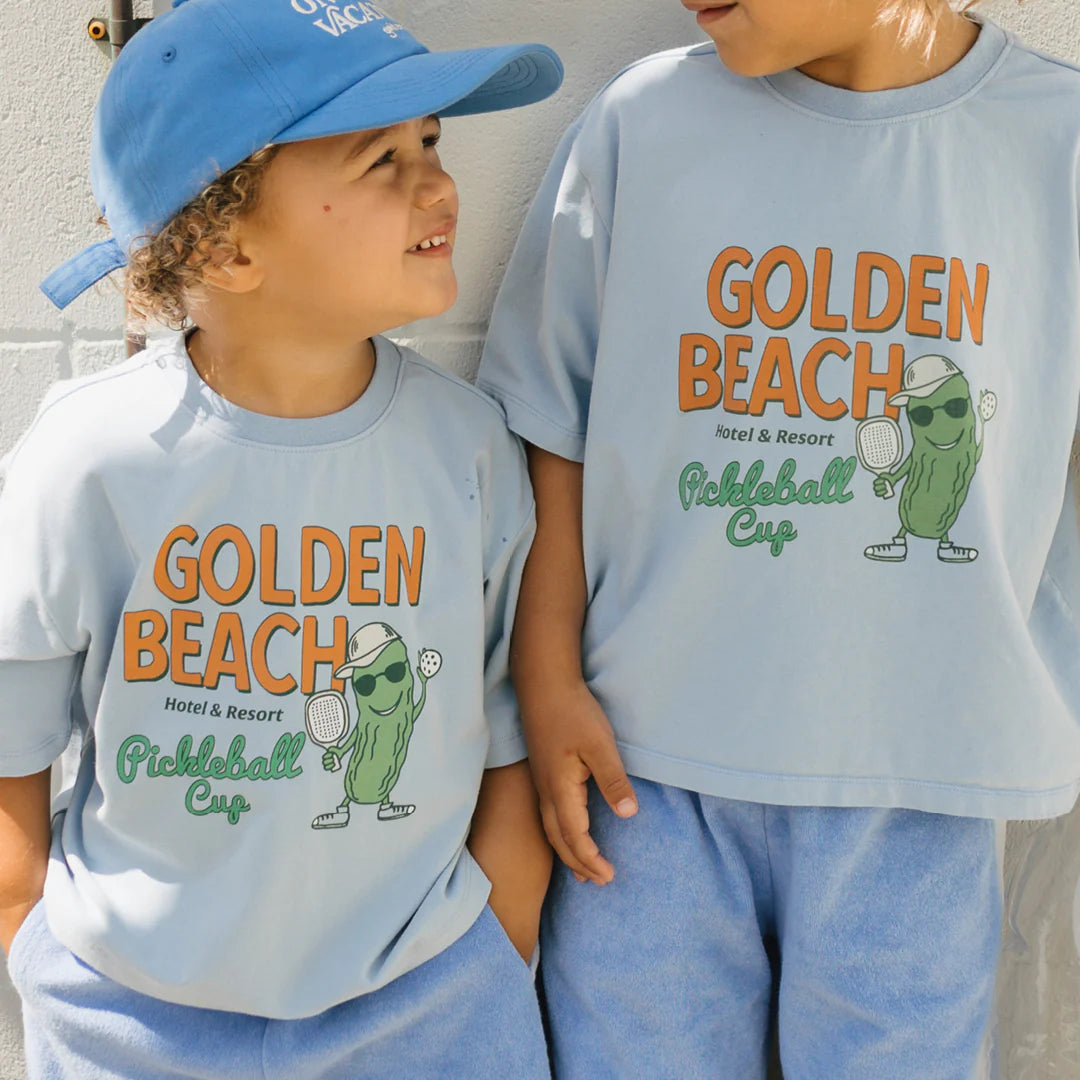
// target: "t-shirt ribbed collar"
[[889, 105], [235, 422]]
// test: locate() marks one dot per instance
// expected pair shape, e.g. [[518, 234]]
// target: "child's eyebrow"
[[364, 140], [367, 139]]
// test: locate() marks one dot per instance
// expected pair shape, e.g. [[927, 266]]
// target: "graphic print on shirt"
[[221, 633], [383, 686], [856, 370], [945, 452]]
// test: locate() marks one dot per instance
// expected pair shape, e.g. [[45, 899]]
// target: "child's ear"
[[230, 268]]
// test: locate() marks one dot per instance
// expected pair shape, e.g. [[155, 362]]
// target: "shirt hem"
[[930, 796], [228, 999], [34, 760], [525, 422], [506, 752]]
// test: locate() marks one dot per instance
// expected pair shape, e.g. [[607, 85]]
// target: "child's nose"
[[434, 187]]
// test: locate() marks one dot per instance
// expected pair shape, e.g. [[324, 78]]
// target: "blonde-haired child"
[[793, 330]]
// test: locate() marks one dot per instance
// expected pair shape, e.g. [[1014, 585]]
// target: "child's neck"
[[281, 371], [880, 61]]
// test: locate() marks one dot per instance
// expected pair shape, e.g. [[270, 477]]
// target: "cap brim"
[[920, 391], [447, 83], [366, 660]]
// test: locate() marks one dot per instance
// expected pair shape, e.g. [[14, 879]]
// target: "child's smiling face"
[[762, 37], [356, 230]]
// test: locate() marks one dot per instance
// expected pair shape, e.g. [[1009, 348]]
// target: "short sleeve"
[[540, 351], [509, 526], [41, 642]]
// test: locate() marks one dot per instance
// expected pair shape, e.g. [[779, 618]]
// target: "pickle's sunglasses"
[[364, 685], [923, 415]]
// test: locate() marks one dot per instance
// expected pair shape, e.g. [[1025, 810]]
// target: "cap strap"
[[78, 274]]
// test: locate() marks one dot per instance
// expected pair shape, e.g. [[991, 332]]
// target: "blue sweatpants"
[[470, 1013], [886, 925]]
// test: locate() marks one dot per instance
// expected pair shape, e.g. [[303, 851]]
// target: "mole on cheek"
[[326, 209]]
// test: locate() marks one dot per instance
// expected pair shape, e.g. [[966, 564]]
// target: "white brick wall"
[[51, 76]]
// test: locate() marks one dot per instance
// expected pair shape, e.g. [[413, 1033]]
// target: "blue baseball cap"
[[204, 86]]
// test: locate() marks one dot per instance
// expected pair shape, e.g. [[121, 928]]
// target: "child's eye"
[[430, 142]]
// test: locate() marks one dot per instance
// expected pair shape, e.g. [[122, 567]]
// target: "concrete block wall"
[[52, 74]]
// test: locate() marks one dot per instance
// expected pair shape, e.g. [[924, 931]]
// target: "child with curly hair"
[[266, 570]]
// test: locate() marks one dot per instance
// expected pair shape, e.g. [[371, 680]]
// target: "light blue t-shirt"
[[721, 278], [224, 604]]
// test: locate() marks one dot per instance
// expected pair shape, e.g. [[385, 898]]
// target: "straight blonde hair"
[[917, 20]]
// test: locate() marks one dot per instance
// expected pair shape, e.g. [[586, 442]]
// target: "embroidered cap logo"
[[338, 19]]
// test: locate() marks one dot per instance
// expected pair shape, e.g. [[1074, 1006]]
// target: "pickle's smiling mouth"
[[943, 446], [387, 712]]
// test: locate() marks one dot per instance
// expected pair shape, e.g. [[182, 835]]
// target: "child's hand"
[[568, 734], [570, 739]]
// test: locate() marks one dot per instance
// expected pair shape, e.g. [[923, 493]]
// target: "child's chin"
[[747, 65], [429, 306]]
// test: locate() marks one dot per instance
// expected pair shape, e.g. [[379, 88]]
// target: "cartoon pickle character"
[[944, 454], [383, 686]]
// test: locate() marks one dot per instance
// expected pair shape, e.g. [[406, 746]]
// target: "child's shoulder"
[[1041, 74], [640, 101], [450, 393], [463, 424], [1049, 64], [1036, 96], [81, 419], [666, 63], [637, 83], [99, 389]]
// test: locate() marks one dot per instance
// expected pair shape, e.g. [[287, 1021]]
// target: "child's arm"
[[24, 848], [507, 840], [568, 734]]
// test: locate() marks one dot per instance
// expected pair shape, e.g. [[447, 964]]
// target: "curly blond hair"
[[165, 272]]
